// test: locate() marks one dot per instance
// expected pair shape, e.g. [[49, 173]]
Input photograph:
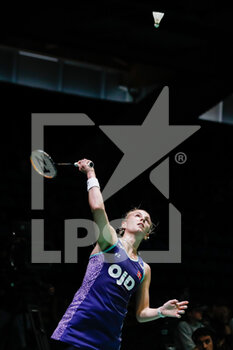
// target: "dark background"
[[191, 53]]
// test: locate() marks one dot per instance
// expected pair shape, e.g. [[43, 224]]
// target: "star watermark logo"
[[142, 146]]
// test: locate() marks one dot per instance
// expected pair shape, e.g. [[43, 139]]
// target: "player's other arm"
[[107, 234], [144, 313]]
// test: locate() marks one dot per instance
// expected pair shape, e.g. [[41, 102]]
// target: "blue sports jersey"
[[94, 319]]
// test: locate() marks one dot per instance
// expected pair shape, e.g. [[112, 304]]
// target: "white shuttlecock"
[[157, 18]]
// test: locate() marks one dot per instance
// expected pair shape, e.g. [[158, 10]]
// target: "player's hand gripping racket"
[[45, 166]]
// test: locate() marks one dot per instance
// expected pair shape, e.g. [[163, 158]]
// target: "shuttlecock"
[[157, 18]]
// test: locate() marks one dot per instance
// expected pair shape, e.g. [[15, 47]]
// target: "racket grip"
[[90, 164]]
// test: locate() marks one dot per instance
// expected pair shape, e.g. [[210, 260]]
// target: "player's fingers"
[[182, 307], [182, 303], [80, 163], [181, 311]]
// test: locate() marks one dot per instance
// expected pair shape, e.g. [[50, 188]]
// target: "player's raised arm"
[[107, 234]]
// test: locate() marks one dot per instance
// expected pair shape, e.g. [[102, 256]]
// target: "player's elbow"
[[139, 317], [97, 207]]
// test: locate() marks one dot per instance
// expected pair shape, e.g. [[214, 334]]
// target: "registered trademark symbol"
[[180, 157]]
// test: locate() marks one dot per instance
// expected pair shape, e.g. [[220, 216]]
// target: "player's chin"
[[142, 233]]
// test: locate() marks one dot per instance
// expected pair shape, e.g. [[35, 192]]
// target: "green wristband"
[[160, 313]]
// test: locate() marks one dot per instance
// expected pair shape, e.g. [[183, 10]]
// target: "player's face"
[[138, 221], [205, 342]]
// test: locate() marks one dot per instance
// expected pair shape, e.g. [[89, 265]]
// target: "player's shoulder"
[[147, 269]]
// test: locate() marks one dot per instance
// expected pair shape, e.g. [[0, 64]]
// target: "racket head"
[[43, 164]]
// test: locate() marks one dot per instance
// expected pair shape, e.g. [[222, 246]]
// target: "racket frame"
[[51, 161]]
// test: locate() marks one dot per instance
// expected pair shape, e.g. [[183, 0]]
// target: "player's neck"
[[131, 241]]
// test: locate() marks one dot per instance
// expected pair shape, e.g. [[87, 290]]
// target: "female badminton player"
[[94, 319]]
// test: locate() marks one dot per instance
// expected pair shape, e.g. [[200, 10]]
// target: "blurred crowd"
[[205, 326]]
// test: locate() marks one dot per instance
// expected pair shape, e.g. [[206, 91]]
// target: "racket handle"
[[90, 164]]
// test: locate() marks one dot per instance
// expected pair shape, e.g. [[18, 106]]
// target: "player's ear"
[[123, 224]]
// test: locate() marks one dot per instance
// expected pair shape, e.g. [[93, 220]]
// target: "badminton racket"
[[45, 166]]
